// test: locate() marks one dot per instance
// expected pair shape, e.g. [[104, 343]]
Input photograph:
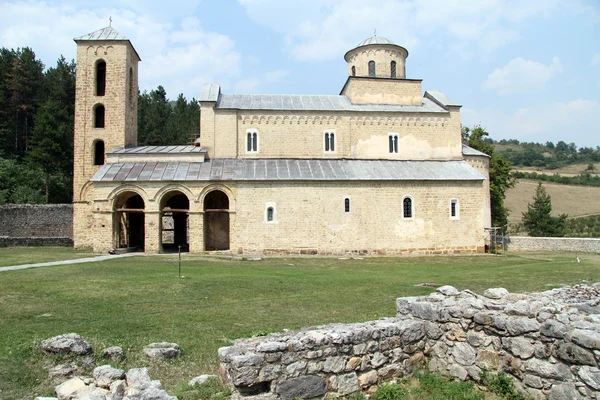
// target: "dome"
[[375, 40]]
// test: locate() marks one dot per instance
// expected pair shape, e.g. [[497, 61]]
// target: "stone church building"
[[376, 169]]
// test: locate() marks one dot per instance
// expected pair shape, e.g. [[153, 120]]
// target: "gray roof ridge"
[[106, 33], [470, 151]]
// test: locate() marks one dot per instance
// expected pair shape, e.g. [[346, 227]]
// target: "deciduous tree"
[[500, 177]]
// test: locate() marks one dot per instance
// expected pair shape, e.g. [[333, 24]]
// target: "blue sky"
[[523, 69]]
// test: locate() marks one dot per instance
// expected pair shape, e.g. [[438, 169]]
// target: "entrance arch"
[[174, 212], [129, 220], [216, 221]]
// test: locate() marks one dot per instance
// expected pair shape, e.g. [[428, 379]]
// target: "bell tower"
[[106, 97]]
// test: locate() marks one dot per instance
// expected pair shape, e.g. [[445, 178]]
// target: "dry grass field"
[[576, 201]]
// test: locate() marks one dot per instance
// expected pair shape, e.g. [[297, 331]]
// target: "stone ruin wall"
[[548, 342], [36, 225]]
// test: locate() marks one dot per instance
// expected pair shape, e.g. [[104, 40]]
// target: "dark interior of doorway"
[[175, 228], [216, 221]]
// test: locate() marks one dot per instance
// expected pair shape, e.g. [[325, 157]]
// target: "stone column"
[[196, 231], [101, 233], [152, 232]]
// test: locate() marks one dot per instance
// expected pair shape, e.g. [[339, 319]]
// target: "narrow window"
[[407, 207], [100, 78], [353, 70], [454, 210], [393, 69], [99, 153], [99, 116], [251, 141], [393, 142], [270, 213], [130, 85], [329, 141], [371, 68], [347, 205]]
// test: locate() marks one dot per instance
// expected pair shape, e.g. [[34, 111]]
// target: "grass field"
[[134, 301], [18, 256], [567, 170], [576, 201]]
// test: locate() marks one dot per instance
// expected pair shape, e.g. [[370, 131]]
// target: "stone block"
[[304, 387]]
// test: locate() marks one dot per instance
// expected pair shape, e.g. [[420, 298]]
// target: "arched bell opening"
[[129, 221], [216, 221], [174, 213]]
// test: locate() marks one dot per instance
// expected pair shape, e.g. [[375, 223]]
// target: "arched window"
[[99, 116], [100, 78], [329, 141], [393, 142], [347, 205], [270, 215], [251, 141], [371, 68], [393, 69], [353, 70], [407, 210], [99, 153]]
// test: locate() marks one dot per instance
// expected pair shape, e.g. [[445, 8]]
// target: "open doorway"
[[216, 221], [174, 212], [129, 221]]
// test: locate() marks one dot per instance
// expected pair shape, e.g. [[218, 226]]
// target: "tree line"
[[583, 179], [37, 107], [546, 155]]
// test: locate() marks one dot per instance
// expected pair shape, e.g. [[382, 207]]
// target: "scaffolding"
[[496, 240]]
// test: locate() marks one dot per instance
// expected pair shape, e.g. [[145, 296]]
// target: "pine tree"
[[538, 219]]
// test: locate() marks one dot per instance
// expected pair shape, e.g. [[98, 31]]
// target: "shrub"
[[502, 385], [389, 392]]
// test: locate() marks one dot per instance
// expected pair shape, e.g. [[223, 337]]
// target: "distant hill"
[[561, 157]]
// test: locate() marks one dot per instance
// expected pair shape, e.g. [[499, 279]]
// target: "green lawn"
[[133, 301], [30, 255]]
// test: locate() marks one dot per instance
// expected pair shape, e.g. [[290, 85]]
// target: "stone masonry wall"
[[525, 243], [548, 342], [36, 221]]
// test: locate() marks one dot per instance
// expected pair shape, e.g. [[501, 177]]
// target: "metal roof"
[[108, 33], [210, 92], [304, 102], [157, 150], [441, 98], [231, 169], [375, 40], [469, 151]]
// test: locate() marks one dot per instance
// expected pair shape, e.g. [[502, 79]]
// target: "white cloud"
[[522, 76], [318, 30], [276, 76], [574, 121], [247, 85], [176, 51], [253, 83], [595, 59]]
